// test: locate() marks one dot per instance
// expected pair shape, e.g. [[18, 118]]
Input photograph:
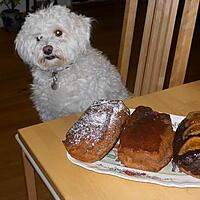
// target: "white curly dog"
[[68, 74]]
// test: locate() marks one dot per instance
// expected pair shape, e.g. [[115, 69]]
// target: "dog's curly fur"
[[81, 73]]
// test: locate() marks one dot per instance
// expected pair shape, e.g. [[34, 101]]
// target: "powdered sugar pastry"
[[95, 121]]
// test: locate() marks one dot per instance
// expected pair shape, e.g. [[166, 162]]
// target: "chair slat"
[[168, 41], [126, 38], [144, 47], [184, 42], [163, 46], [155, 47]]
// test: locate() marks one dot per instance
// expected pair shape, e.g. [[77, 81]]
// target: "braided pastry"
[[186, 145]]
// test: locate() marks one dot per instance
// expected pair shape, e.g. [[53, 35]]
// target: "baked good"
[[146, 141], [186, 145], [97, 130]]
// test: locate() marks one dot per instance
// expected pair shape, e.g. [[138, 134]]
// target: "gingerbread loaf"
[[146, 141]]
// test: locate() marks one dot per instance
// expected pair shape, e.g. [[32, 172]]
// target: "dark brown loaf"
[[97, 130], [186, 145], [146, 142]]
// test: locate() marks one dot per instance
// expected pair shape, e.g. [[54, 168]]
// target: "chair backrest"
[[159, 25]]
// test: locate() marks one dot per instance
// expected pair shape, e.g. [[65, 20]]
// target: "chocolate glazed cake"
[[146, 142], [186, 145]]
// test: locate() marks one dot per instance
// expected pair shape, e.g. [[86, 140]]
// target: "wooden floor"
[[16, 107]]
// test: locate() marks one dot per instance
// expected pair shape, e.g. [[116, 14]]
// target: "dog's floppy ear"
[[20, 45], [81, 29], [86, 27]]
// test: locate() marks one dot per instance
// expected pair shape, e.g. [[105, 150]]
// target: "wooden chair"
[[156, 43]]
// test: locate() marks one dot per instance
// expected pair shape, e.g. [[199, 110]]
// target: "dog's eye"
[[58, 33], [38, 38]]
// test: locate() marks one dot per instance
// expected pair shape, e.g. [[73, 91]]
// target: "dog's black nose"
[[47, 49]]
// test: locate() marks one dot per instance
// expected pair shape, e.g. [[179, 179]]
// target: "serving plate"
[[168, 176]]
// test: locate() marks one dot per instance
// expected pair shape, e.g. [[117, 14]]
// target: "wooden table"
[[42, 147]]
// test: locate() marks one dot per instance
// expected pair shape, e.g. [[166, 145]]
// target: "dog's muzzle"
[[47, 50]]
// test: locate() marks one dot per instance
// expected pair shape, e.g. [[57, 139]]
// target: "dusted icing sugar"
[[94, 122]]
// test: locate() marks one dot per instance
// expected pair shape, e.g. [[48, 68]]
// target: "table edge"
[[37, 169]]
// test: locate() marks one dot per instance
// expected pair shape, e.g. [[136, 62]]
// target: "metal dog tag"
[[54, 85]]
